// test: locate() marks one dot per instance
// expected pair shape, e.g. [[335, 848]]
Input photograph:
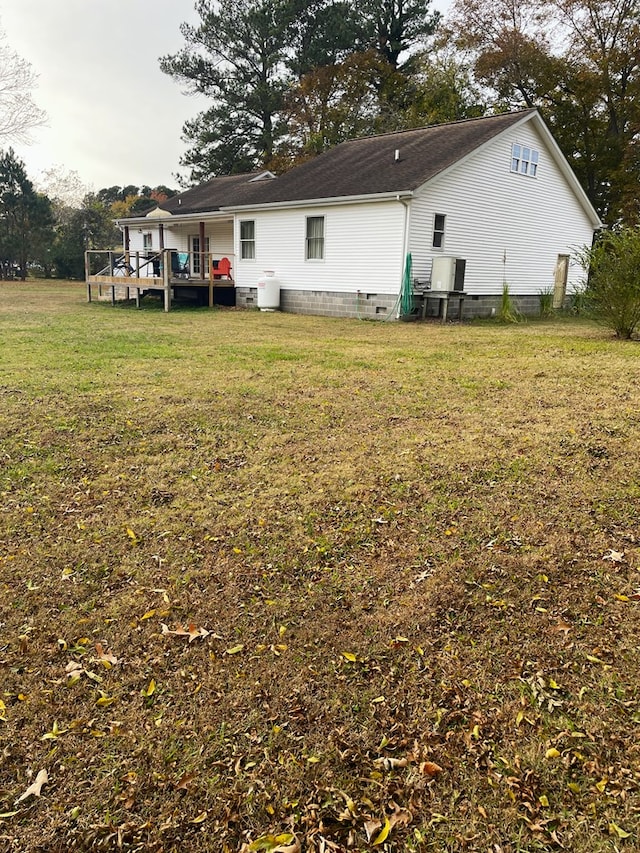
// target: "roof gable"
[[389, 163]]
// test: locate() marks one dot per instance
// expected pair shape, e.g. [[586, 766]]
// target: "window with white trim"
[[524, 160], [438, 230], [247, 239], [315, 238], [147, 240]]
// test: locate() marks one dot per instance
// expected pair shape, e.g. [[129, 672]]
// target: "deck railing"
[[155, 270]]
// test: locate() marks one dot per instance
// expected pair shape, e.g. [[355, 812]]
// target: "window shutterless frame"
[[524, 160], [247, 239], [438, 231], [314, 243]]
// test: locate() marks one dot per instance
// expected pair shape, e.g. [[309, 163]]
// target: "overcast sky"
[[113, 116]]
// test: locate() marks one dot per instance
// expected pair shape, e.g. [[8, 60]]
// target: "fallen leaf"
[[400, 816], [235, 649], [201, 817], [614, 829], [430, 768], [191, 632], [105, 657], [151, 689], [288, 848], [384, 832], [371, 827], [34, 789], [54, 733], [350, 657], [390, 763], [183, 783], [283, 843], [552, 753], [614, 556]]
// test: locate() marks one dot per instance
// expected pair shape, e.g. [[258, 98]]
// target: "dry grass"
[[415, 548]]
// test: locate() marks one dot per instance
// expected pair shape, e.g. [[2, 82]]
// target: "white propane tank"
[[268, 291]]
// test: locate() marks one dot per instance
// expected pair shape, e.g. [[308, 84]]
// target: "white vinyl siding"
[[506, 229], [364, 244]]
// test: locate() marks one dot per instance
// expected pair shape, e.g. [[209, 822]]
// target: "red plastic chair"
[[223, 269]]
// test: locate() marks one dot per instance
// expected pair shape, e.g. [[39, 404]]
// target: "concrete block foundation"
[[381, 306]]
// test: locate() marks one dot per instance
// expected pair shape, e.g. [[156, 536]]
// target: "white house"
[[477, 203]]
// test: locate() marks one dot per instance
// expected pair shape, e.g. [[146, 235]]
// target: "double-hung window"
[[524, 160], [438, 231], [147, 241], [247, 239], [315, 238]]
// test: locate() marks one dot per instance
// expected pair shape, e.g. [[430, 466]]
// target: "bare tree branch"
[[19, 114]]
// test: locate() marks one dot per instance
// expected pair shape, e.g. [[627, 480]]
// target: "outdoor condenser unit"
[[447, 274]]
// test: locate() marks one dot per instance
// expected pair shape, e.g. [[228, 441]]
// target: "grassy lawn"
[[279, 582]]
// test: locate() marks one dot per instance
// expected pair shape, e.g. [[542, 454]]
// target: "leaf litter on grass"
[[452, 561]]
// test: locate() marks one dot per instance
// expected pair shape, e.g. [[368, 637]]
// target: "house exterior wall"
[[363, 252], [509, 227], [176, 236]]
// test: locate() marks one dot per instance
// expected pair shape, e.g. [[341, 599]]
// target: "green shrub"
[[546, 302], [611, 292], [508, 311]]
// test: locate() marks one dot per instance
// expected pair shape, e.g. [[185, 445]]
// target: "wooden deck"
[[129, 287], [121, 277]]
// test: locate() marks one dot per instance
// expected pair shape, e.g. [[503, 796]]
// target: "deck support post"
[[166, 279], [86, 275]]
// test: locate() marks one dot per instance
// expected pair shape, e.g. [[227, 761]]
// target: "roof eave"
[[173, 218], [395, 195]]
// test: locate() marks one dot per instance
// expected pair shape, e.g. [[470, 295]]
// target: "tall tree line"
[[47, 230], [288, 78]]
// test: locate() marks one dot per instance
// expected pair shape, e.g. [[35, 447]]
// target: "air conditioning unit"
[[447, 274]]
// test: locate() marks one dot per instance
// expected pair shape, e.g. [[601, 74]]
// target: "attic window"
[[524, 160]]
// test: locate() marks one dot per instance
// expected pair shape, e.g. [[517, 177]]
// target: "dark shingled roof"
[[357, 167], [209, 196], [367, 166]]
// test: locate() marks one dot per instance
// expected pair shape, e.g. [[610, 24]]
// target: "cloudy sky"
[[113, 116]]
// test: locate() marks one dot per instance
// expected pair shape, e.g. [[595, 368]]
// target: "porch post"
[[87, 271], [166, 279], [203, 254], [126, 248], [161, 235]]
